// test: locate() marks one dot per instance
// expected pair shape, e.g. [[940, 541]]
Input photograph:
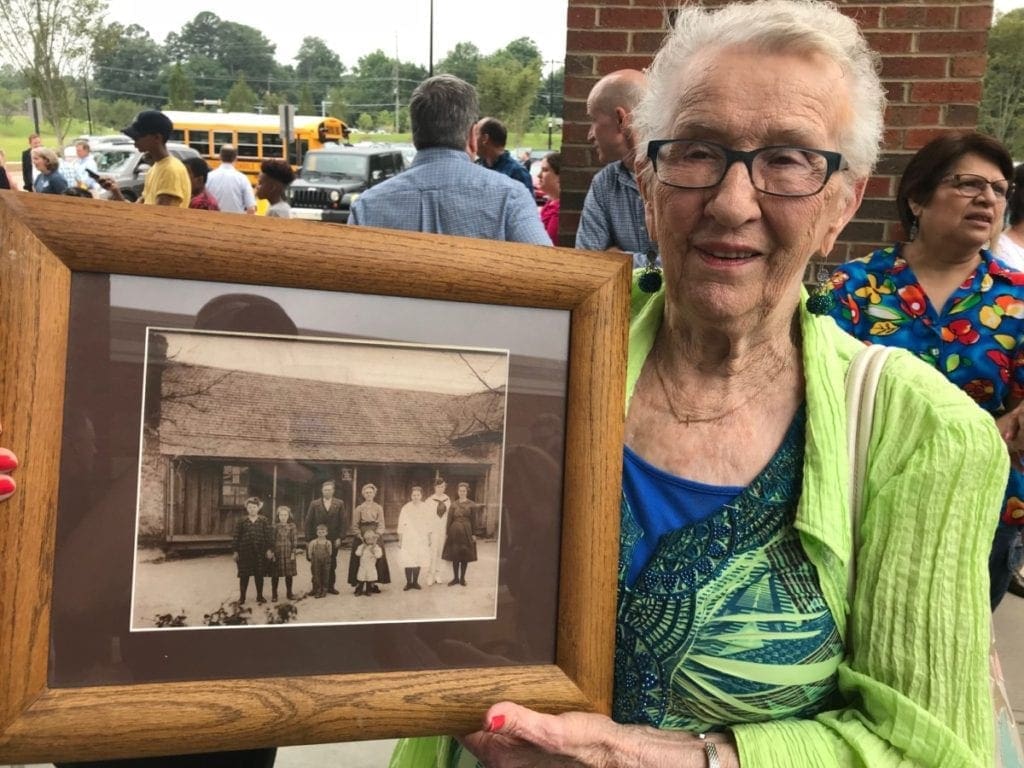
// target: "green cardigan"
[[916, 678]]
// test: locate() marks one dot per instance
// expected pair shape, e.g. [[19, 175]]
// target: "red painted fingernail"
[[8, 460], [496, 722], [7, 488]]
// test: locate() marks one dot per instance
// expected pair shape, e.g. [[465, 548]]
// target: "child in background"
[[285, 541], [369, 552], [318, 552]]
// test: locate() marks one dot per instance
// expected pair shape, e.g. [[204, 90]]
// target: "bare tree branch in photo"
[[473, 370]]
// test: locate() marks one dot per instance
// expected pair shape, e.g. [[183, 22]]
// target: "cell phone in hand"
[[92, 174]]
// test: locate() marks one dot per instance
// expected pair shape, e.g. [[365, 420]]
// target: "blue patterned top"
[[613, 215], [976, 340], [726, 623]]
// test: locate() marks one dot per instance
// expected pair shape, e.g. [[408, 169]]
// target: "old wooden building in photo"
[[216, 436]]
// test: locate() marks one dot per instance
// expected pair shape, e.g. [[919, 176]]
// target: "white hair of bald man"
[[769, 26]]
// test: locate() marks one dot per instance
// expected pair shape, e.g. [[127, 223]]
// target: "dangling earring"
[[650, 279], [912, 234], [823, 300]]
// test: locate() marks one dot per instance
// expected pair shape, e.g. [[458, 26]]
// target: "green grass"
[[14, 134]]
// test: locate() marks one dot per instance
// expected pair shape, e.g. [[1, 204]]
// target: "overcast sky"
[[353, 29], [344, 362]]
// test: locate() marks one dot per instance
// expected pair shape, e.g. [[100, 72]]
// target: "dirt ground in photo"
[[195, 586]]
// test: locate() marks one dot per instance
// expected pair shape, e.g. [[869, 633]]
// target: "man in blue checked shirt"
[[443, 191], [613, 213]]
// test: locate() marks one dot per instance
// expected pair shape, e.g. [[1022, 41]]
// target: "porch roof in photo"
[[212, 412]]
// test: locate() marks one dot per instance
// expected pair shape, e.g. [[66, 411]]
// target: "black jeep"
[[332, 178]]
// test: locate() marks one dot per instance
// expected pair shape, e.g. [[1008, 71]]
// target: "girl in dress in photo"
[[370, 554], [254, 549], [460, 543], [414, 526], [368, 516], [285, 542]]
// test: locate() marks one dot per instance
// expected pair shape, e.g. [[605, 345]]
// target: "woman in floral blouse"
[[943, 296]]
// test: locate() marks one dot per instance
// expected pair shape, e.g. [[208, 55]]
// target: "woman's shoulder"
[[917, 396], [880, 259], [920, 404]]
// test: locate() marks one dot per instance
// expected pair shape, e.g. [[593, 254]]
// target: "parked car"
[[129, 167], [332, 178]]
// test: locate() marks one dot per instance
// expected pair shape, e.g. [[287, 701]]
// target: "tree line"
[[80, 66], [1002, 104]]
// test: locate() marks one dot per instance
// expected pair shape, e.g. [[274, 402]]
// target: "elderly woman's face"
[[951, 217], [39, 162], [731, 251]]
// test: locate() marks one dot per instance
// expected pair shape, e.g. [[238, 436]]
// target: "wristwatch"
[[710, 750]]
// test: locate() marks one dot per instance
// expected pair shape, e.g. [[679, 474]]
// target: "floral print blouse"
[[976, 340]]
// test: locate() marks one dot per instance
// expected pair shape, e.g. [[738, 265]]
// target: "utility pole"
[[430, 66], [88, 104], [551, 88], [396, 84]]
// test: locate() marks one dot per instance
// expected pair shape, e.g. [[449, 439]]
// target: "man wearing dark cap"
[[167, 182]]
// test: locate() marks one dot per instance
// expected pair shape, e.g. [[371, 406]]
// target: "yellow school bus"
[[256, 137]]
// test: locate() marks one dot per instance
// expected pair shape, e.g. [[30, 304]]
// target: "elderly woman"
[[943, 296], [368, 516], [50, 180], [736, 643]]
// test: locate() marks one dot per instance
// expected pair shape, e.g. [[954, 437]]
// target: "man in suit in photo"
[[328, 511]]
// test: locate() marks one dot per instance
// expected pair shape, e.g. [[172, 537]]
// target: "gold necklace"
[[704, 419]]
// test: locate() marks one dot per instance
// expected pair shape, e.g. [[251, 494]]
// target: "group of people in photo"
[[431, 532]]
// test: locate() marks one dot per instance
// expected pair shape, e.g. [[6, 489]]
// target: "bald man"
[[613, 212]]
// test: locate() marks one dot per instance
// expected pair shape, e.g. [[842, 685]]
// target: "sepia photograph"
[[296, 481]]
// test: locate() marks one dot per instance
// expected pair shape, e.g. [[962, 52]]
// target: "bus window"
[[176, 135], [220, 138], [272, 145], [199, 141], [248, 145]]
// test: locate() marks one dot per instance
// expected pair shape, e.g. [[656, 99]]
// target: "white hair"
[[771, 26]]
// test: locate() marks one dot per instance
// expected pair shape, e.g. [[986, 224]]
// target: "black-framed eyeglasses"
[[972, 185], [783, 171]]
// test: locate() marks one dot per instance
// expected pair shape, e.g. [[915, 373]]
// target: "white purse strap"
[[861, 384]]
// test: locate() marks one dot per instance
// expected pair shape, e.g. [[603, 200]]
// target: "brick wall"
[[933, 58]]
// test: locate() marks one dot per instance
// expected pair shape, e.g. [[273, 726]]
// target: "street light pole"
[[430, 66], [551, 126]]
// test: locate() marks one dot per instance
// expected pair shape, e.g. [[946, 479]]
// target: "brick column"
[[933, 59]]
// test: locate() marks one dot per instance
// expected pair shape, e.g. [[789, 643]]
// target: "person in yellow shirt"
[[167, 182]]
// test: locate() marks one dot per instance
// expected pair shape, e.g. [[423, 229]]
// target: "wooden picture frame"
[[46, 239]]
